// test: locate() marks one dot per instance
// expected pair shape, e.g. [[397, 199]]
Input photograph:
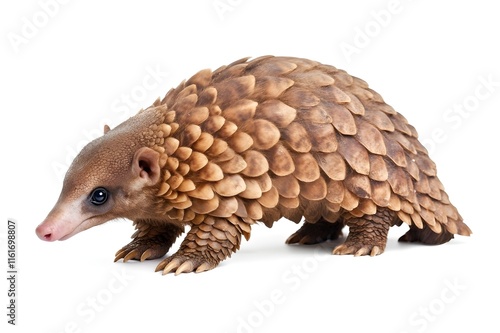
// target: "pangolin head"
[[110, 178]]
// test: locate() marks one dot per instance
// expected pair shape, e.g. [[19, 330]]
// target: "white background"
[[72, 70]]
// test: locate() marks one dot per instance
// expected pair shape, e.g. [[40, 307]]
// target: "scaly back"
[[278, 136]]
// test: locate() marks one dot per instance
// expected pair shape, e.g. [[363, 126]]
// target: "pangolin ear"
[[106, 128], [146, 165]]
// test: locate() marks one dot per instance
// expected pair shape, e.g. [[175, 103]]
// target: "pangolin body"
[[257, 140]]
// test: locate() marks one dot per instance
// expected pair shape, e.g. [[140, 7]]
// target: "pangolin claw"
[[358, 250], [179, 263], [297, 238], [187, 266], [120, 254], [171, 266], [204, 267], [361, 252], [146, 254], [161, 266], [343, 249], [131, 255], [142, 249], [375, 251]]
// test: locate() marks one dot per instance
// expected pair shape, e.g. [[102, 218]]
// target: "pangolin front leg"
[[367, 234], [151, 241], [205, 245]]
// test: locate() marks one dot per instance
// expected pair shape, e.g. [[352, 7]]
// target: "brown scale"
[[285, 137]]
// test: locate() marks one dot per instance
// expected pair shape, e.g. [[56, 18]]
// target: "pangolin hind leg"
[[205, 245], [318, 232], [426, 236], [367, 234], [151, 241]]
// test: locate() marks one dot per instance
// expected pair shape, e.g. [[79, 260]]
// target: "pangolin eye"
[[99, 196]]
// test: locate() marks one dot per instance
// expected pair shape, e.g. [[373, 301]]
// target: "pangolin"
[[257, 140]]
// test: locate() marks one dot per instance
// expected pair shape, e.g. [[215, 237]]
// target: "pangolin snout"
[[43, 232]]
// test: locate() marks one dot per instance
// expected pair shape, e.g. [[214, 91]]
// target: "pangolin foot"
[[314, 233], [358, 249], [182, 263], [141, 249]]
